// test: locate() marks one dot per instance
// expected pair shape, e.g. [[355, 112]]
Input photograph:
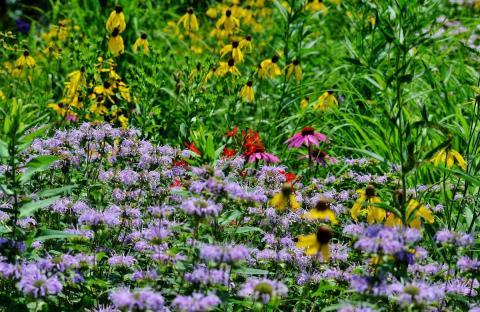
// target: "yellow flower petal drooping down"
[[228, 21], [304, 102], [115, 43], [235, 50], [447, 157], [317, 242], [368, 197], [25, 60], [247, 92], [285, 199], [142, 41], [269, 68], [321, 211], [415, 213], [246, 43], [325, 101], [76, 80], [317, 6], [295, 69], [116, 20], [227, 67], [189, 21], [211, 12]]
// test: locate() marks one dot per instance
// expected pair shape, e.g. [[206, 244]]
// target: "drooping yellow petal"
[[294, 203], [325, 252], [306, 240], [321, 214], [459, 158], [278, 201], [313, 249]]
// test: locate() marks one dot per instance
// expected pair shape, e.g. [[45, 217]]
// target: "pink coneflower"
[[259, 154], [307, 136], [321, 157]]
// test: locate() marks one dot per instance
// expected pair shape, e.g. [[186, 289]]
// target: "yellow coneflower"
[[25, 60], [142, 41], [235, 49], [211, 12], [269, 68], [374, 214], [211, 74], [124, 91], [246, 43], [116, 20], [448, 157], [285, 198], [247, 92], [294, 68], [189, 21], [105, 90], [229, 22], [317, 242], [98, 109], [304, 102], [372, 20], [76, 80], [227, 67], [115, 43], [419, 212], [2, 95], [321, 211], [325, 101], [317, 6], [123, 121], [58, 108]]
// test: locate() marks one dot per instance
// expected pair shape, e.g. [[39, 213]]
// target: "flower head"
[[317, 242], [285, 198], [262, 289], [321, 211], [116, 20], [368, 197], [307, 136]]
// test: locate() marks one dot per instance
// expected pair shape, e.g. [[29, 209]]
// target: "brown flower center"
[[324, 234], [307, 131]]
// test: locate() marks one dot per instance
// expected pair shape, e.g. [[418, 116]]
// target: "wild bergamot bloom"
[[317, 242], [269, 68], [115, 43], [321, 211], [189, 21], [247, 92], [419, 212], [285, 199], [325, 101], [25, 60], [294, 68], [448, 157], [228, 21], [116, 20], [368, 198], [142, 41], [227, 67], [236, 52]]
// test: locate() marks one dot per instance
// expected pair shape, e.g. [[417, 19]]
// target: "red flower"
[[176, 183], [180, 163], [229, 152], [231, 133], [193, 148]]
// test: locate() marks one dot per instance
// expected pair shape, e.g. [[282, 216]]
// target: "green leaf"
[[37, 164], [57, 191], [3, 149], [53, 234], [30, 208], [244, 229]]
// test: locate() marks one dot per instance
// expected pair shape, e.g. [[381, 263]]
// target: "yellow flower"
[[317, 242], [211, 74], [76, 81], [374, 214], [2, 95], [211, 12], [98, 109], [116, 20], [115, 43], [317, 6], [236, 52], [269, 68], [321, 211], [229, 22], [25, 60], [189, 21], [247, 92], [371, 19], [296, 69], [123, 121], [448, 157], [325, 101], [285, 198], [419, 212], [227, 67], [124, 91], [304, 102], [246, 43], [141, 42], [58, 108], [105, 90]]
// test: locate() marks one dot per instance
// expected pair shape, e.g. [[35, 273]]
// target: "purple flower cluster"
[[262, 289], [205, 276], [386, 240], [458, 239], [221, 253], [138, 300], [201, 207], [197, 302]]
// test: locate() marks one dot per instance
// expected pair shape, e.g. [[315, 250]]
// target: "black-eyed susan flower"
[[448, 157], [304, 102], [76, 80], [2, 96], [142, 41], [227, 67], [415, 213], [316, 243], [368, 198], [25, 60], [228, 21], [295, 69], [247, 92], [235, 50], [269, 68], [115, 43], [211, 73], [246, 43], [116, 20], [211, 12], [189, 21], [321, 211], [325, 101], [285, 199]]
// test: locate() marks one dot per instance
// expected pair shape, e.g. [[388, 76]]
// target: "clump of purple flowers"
[[197, 302], [138, 300], [228, 253], [201, 208], [37, 284], [459, 239], [263, 290]]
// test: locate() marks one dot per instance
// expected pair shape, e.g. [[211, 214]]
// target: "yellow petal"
[[325, 252]]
